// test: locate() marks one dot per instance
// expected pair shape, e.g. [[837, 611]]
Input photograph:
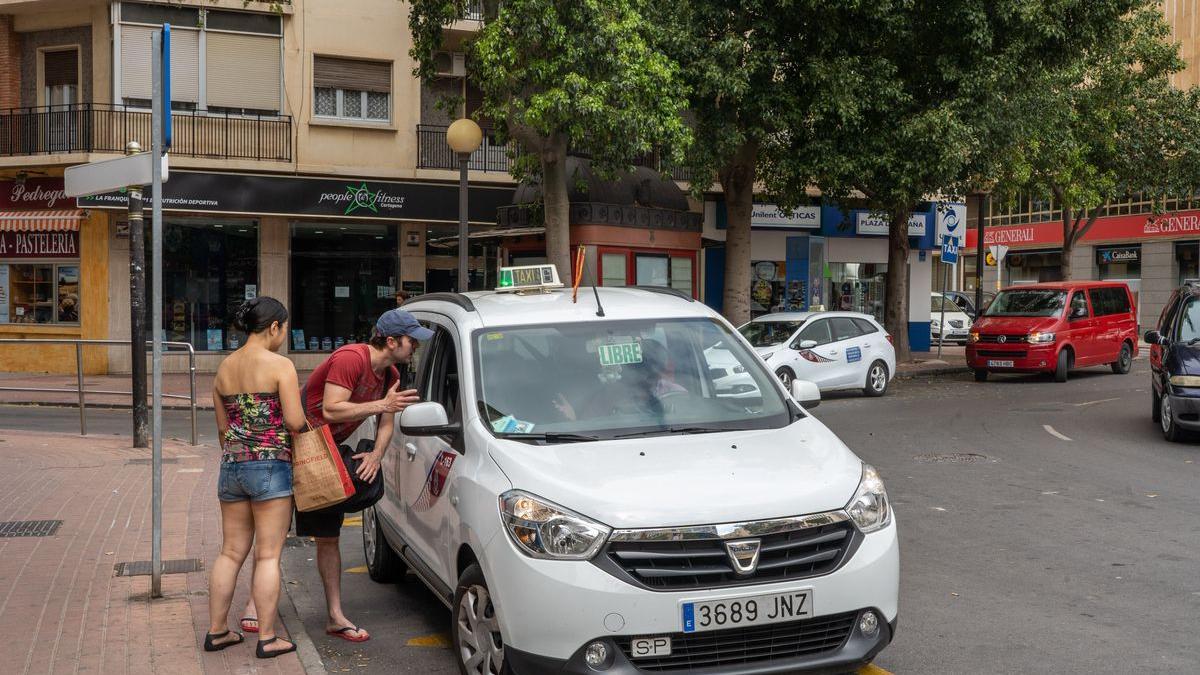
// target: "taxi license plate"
[[999, 364], [754, 610]]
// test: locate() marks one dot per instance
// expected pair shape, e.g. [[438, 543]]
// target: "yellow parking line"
[[872, 669], [361, 569], [437, 640], [355, 521]]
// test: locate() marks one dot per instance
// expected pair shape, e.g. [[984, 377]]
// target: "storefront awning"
[[65, 220]]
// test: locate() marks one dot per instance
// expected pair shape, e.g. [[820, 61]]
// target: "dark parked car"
[[1175, 365], [966, 301]]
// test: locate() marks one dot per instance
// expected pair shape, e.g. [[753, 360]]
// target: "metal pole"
[[463, 276], [192, 384], [79, 381], [137, 310], [156, 298], [980, 259], [942, 321]]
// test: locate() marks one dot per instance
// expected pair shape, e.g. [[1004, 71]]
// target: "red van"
[[1053, 327]]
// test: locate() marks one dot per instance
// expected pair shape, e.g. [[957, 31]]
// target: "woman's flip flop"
[[249, 629], [344, 633]]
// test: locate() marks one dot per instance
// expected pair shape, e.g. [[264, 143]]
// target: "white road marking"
[[1050, 430], [1103, 400]]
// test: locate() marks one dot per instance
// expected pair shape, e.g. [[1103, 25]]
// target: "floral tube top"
[[256, 429]]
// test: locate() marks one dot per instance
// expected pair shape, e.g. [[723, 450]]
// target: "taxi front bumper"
[[551, 610]]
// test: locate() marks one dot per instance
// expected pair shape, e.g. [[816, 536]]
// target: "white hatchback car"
[[584, 498], [834, 350], [947, 320]]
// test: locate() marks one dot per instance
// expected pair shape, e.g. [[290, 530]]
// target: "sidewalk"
[[927, 364], [173, 383], [61, 606]]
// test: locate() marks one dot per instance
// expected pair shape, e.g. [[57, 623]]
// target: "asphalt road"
[[1022, 552]]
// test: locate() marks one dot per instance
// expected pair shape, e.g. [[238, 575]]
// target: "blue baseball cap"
[[397, 322]]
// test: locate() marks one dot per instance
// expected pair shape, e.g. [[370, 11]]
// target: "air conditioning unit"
[[450, 64]]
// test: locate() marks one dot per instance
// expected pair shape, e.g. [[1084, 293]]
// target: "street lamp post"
[[464, 137]]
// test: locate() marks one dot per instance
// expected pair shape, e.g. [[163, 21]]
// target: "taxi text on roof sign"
[[528, 277]]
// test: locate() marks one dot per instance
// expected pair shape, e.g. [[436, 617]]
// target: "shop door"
[[61, 80]]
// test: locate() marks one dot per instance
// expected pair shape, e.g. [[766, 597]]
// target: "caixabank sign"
[[251, 194]]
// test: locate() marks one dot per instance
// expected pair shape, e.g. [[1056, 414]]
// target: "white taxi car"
[[834, 350], [948, 322], [584, 498]]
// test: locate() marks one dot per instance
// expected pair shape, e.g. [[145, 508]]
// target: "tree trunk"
[[1064, 268], [737, 181], [895, 313], [557, 204]]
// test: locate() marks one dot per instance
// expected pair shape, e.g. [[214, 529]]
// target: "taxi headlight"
[[869, 509], [1185, 380], [1040, 338], [544, 530]]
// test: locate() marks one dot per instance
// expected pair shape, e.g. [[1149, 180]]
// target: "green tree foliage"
[[1107, 127], [559, 75]]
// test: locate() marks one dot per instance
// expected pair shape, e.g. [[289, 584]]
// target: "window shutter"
[[135, 61], [59, 68], [352, 74], [243, 71], [185, 65]]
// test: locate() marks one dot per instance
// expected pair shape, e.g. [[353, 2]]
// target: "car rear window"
[[865, 326]]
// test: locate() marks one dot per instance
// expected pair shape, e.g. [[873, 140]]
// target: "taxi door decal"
[[435, 481]]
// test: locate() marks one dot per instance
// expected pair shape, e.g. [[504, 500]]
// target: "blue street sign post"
[[949, 257], [166, 87], [950, 250], [160, 77]]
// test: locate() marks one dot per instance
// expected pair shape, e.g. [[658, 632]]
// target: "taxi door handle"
[[412, 451]]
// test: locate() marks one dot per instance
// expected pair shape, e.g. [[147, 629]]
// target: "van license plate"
[[645, 648], [754, 610], [1000, 364]]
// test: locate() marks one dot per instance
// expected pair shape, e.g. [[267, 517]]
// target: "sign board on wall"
[[1125, 254], [866, 222], [196, 191], [33, 193], [4, 299], [39, 244], [952, 222], [770, 215]]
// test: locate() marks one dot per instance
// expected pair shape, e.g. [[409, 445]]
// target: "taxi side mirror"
[[427, 419], [806, 393], [808, 344]]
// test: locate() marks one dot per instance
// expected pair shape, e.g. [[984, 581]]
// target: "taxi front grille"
[[735, 646], [667, 565]]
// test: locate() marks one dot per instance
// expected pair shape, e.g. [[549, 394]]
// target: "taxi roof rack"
[[666, 290], [452, 298]]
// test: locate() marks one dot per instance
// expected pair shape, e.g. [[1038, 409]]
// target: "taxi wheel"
[[877, 379], [478, 645], [786, 376], [1125, 361], [1063, 370], [1166, 417], [981, 375], [383, 565]]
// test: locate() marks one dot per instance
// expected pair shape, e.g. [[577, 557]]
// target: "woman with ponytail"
[[256, 395]]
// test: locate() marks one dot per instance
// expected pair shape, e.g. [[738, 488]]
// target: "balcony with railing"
[[106, 128]]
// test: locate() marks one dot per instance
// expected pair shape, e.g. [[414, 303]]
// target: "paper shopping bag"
[[319, 477]]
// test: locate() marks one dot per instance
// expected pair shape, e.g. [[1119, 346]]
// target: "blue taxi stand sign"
[[950, 249], [166, 87]]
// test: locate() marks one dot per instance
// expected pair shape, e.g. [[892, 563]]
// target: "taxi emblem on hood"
[[743, 554]]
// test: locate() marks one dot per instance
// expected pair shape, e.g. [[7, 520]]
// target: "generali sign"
[[1117, 228]]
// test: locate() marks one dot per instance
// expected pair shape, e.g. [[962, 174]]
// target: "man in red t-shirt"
[[356, 382]]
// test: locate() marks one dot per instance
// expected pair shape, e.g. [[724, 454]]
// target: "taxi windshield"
[[769, 333], [592, 381]]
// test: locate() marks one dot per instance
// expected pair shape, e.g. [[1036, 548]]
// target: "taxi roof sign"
[[528, 277]]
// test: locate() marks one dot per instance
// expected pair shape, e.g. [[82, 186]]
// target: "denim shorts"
[[256, 481]]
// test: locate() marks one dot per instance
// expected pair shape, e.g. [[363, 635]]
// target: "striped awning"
[[65, 220]]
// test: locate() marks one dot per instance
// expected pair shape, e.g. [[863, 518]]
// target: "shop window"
[[652, 270], [858, 287], [343, 278], [212, 268], [39, 293], [681, 274], [352, 89], [613, 269], [1186, 255]]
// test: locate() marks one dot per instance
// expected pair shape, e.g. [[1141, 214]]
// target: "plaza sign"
[[866, 222]]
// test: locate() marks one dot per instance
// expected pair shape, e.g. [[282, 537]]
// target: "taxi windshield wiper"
[[677, 430], [549, 437]]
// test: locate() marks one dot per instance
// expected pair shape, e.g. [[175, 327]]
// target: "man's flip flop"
[[210, 646], [344, 633], [264, 654], [249, 629]]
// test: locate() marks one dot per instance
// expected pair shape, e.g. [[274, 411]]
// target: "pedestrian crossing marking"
[[436, 640], [361, 569], [872, 669], [355, 521]]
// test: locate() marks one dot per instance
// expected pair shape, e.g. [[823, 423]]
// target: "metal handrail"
[[79, 345]]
